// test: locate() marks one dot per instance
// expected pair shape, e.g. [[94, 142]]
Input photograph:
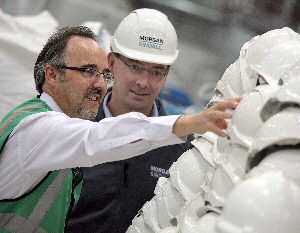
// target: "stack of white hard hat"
[[231, 155]]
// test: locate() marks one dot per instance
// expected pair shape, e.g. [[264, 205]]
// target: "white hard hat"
[[146, 35], [138, 225], [231, 166], [188, 217], [230, 85], [281, 129], [246, 119], [284, 160], [149, 210], [291, 73], [205, 144], [278, 61], [207, 223], [266, 204], [189, 173], [254, 52], [287, 95], [169, 202]]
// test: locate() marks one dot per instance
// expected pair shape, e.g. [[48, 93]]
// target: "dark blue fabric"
[[113, 193]]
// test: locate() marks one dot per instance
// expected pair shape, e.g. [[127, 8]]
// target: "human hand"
[[213, 119]]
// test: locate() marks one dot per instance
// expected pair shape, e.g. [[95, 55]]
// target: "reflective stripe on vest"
[[18, 113], [17, 224]]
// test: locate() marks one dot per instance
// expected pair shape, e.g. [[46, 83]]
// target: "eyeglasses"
[[136, 69], [90, 73]]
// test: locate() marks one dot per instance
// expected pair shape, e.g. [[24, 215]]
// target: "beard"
[[86, 113]]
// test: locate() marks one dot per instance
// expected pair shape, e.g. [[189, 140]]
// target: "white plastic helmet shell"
[[188, 217], [207, 223], [254, 51], [146, 35], [284, 161], [281, 129], [287, 95], [266, 204], [169, 202], [246, 119], [230, 85], [205, 144], [278, 61], [291, 73], [189, 173], [150, 215], [138, 225], [231, 166]]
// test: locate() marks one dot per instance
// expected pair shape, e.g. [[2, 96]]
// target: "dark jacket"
[[114, 192]]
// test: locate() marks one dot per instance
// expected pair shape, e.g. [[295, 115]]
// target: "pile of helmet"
[[250, 180]]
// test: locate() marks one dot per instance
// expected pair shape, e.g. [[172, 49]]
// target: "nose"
[[143, 79]]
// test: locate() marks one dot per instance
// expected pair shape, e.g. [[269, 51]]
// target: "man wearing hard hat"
[[143, 47]]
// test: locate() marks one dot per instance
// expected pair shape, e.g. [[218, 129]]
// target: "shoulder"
[[160, 107]]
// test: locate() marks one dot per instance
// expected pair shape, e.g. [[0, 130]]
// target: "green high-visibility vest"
[[46, 207]]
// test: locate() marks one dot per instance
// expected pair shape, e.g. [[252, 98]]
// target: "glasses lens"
[[108, 77], [135, 69], [90, 73], [156, 74]]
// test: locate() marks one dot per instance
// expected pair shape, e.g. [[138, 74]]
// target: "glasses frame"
[[141, 69], [107, 76]]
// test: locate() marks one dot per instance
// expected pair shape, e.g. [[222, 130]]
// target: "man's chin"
[[89, 114]]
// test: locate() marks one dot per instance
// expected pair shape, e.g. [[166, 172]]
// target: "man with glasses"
[[43, 140], [142, 49]]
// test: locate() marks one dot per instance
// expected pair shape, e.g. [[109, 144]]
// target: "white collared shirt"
[[51, 140]]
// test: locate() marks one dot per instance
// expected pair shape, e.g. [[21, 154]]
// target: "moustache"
[[94, 91]]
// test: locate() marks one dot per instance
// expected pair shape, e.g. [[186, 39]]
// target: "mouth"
[[139, 94], [94, 98], [94, 95]]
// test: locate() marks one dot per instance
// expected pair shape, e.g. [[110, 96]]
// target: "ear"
[[51, 75], [111, 61]]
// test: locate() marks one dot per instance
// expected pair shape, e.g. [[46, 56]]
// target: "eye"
[[89, 73], [135, 68], [156, 73]]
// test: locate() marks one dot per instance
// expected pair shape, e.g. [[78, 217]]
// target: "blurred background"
[[210, 34]]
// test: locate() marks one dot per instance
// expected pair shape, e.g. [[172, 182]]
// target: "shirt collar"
[[50, 101], [107, 113]]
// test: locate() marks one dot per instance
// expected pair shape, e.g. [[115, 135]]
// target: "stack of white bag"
[[249, 181], [21, 39]]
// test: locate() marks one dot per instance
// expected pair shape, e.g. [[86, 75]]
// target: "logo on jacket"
[[151, 42], [159, 172]]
